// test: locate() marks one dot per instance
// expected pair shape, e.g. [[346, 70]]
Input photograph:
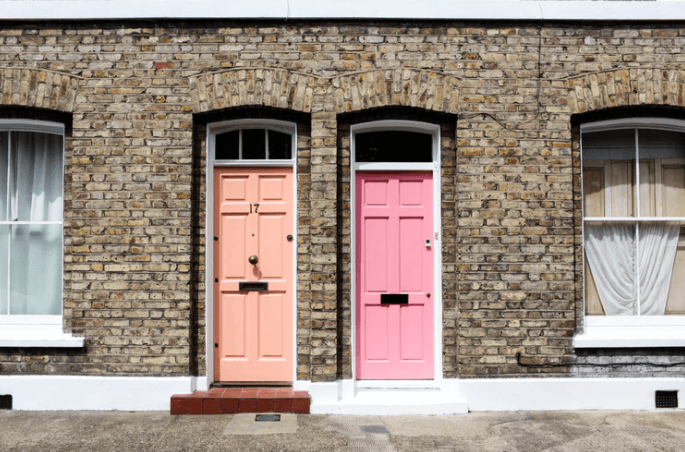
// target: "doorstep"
[[241, 400], [385, 401]]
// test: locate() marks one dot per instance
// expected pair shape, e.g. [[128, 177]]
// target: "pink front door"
[[253, 329], [394, 255]]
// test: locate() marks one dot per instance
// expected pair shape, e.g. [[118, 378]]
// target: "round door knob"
[[253, 259]]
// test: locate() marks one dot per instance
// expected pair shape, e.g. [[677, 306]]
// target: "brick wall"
[[140, 93]]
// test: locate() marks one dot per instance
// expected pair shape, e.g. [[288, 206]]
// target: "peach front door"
[[253, 301], [394, 265]]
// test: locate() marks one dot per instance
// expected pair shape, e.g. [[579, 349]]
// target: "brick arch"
[[626, 87], [278, 88], [38, 88], [396, 87]]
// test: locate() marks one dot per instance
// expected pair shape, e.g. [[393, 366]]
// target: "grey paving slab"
[[569, 431], [246, 424]]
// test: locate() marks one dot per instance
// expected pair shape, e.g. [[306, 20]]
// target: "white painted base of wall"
[[567, 393], [450, 396], [199, 383], [51, 393], [460, 396]]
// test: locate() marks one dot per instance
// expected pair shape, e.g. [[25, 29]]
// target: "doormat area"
[[246, 424]]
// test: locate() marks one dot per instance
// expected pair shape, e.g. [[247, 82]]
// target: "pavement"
[[529, 431]]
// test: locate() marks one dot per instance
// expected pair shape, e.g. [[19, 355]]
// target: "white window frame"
[[214, 129], [628, 331], [37, 330], [434, 167]]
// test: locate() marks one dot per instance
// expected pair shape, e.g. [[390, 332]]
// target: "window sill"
[[632, 332], [38, 336]]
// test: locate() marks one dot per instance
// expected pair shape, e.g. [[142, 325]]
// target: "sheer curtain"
[[658, 246], [610, 250], [4, 228], [35, 188]]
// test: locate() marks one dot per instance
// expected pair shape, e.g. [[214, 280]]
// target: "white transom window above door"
[[633, 187], [251, 141]]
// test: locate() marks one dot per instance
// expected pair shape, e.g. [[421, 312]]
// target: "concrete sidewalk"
[[478, 432]]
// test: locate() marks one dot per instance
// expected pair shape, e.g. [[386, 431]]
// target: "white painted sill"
[[38, 336], [632, 332]]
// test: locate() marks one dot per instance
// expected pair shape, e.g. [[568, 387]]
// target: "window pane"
[[676, 293], [36, 176], [4, 241], [254, 144], [393, 146], [36, 270], [661, 144], [657, 246], [662, 173], [4, 153], [610, 251], [609, 145], [280, 145], [227, 146], [609, 174]]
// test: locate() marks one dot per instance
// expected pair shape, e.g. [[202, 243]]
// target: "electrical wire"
[[537, 95]]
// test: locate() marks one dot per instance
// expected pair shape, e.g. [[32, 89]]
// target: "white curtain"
[[35, 185], [610, 250], [36, 179], [658, 246]]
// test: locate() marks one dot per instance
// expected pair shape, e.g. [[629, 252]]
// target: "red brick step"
[[241, 400]]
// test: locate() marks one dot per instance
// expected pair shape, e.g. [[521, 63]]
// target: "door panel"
[[253, 329], [271, 231], [411, 321], [394, 219], [235, 256]]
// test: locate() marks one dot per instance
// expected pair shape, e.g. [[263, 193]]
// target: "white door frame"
[[434, 168], [211, 163]]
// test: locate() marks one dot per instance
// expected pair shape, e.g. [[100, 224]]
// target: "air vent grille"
[[667, 399], [268, 418], [5, 402]]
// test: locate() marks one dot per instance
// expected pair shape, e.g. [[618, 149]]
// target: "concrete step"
[[396, 401]]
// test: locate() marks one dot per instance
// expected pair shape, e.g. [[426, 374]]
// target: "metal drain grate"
[[667, 399], [374, 429], [268, 418], [5, 402]]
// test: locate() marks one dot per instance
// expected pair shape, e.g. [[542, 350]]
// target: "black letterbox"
[[394, 298], [249, 286]]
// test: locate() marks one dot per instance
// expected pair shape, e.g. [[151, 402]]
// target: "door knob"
[[253, 259]]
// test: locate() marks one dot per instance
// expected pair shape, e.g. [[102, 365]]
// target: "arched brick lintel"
[[38, 88], [626, 87], [429, 90], [281, 88], [277, 88]]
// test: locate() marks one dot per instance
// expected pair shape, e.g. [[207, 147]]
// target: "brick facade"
[[140, 95]]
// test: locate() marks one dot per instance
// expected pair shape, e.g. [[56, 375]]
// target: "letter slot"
[[248, 286], [394, 298]]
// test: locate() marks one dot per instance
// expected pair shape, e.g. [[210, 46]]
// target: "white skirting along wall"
[[460, 396], [47, 392], [352, 397]]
